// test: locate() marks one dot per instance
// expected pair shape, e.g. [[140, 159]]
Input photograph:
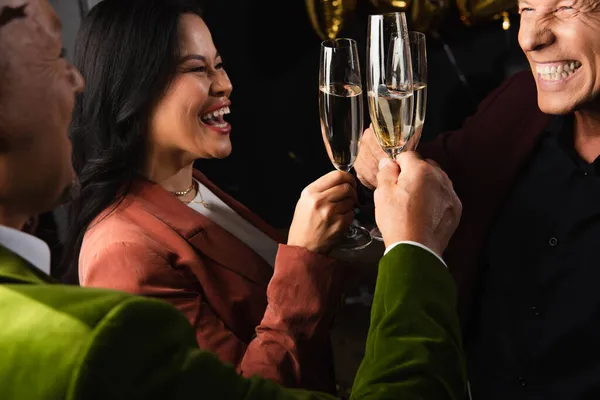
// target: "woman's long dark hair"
[[128, 52]]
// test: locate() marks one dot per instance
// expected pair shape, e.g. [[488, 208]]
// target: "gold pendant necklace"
[[204, 204], [195, 186]]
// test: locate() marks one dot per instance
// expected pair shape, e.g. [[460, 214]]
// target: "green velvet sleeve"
[[414, 346], [143, 349]]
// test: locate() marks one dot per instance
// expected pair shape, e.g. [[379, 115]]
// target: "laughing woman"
[[156, 100]]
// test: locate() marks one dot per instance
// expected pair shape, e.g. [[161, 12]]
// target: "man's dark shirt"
[[536, 333]]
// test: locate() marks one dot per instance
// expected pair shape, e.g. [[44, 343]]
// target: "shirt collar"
[[560, 129], [33, 250]]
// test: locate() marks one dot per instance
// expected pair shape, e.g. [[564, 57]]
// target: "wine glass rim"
[[416, 35], [338, 43]]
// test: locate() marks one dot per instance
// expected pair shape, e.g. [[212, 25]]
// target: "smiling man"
[[525, 256]]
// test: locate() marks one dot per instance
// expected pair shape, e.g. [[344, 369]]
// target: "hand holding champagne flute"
[[341, 112], [389, 84]]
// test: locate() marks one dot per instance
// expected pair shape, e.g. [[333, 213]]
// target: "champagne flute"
[[418, 51], [341, 112], [389, 84]]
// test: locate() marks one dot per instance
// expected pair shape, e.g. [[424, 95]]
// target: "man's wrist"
[[412, 243]]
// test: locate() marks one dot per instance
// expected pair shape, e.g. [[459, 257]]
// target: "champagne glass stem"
[[392, 153]]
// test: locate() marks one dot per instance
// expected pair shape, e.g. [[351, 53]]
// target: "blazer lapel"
[[207, 237], [13, 269], [228, 251]]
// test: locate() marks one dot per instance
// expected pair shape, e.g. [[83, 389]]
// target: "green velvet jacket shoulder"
[[60, 342]]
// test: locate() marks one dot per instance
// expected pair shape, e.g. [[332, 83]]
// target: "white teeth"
[[216, 114], [557, 72]]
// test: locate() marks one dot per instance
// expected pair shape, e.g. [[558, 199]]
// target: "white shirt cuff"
[[391, 246]]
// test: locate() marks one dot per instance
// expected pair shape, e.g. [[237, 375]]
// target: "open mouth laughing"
[[213, 118]]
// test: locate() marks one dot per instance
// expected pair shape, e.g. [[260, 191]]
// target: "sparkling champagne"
[[341, 109], [391, 113], [420, 96]]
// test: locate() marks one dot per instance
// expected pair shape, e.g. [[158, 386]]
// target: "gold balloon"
[[327, 16], [391, 5], [478, 11], [421, 15], [426, 14]]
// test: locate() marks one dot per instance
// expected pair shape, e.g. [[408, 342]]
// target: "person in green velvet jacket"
[[66, 342]]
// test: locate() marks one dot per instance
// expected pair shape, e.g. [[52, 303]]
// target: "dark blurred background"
[[271, 53]]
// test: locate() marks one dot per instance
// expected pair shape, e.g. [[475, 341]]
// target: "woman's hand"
[[323, 212]]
